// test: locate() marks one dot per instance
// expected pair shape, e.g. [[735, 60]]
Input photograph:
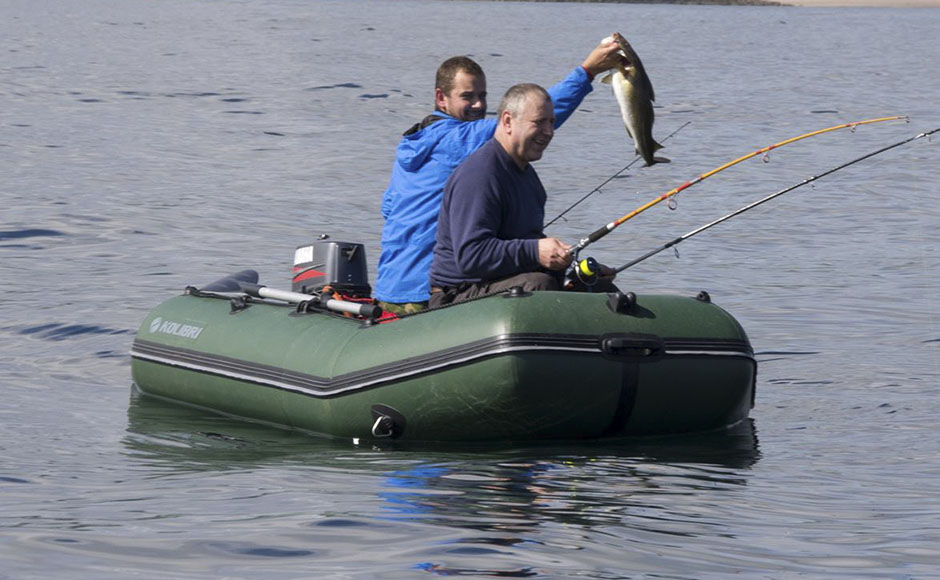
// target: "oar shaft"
[[355, 308]]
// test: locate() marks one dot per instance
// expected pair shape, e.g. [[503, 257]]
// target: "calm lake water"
[[145, 146]]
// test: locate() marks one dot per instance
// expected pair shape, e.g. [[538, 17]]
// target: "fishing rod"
[[609, 179], [770, 197], [603, 231]]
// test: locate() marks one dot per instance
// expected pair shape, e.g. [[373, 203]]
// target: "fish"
[[635, 95]]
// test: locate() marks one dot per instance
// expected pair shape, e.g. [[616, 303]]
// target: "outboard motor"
[[340, 265]]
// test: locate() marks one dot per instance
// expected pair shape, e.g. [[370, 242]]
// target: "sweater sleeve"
[[568, 94]]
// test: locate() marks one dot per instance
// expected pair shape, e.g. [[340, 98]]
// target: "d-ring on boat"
[[515, 366]]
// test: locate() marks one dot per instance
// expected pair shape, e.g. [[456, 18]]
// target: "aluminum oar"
[[354, 308]]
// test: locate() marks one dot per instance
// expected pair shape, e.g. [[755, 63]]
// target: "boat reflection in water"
[[474, 501], [174, 433]]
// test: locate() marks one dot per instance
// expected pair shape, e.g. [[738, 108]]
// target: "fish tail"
[[657, 147]]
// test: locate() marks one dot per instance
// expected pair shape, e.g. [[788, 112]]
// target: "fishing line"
[[603, 231], [609, 179], [770, 197]]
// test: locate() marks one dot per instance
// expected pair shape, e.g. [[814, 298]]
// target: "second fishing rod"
[[586, 268], [763, 200]]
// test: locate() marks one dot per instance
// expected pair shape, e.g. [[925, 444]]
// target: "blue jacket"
[[410, 205], [491, 220]]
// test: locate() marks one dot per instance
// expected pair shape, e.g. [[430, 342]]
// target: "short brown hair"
[[449, 69]]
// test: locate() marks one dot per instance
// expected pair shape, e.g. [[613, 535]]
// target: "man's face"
[[533, 130], [467, 100]]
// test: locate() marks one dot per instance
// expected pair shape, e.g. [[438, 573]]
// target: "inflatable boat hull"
[[539, 366]]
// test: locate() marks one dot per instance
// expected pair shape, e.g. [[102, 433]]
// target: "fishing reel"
[[581, 272]]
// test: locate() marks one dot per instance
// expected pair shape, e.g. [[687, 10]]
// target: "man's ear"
[[439, 99], [505, 121]]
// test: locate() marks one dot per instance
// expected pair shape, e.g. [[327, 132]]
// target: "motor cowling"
[[340, 265]]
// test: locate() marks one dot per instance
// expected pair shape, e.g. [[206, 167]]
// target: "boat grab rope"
[[603, 231], [772, 196]]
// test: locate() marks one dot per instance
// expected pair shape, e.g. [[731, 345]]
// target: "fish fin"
[[654, 160], [609, 79], [656, 146]]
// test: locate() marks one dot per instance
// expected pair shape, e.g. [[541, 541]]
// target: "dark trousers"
[[529, 282]]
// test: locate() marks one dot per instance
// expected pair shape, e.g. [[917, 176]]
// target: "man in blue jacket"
[[489, 235], [427, 155]]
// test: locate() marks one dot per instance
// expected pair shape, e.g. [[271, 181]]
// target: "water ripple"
[[58, 331], [336, 86], [28, 233]]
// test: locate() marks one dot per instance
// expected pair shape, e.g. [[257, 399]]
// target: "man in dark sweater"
[[489, 234]]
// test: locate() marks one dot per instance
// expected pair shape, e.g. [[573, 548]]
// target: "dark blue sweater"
[[490, 221]]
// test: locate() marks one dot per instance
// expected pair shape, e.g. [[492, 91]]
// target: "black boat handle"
[[632, 346]]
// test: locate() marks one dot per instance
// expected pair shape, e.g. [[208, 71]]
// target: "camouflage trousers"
[[403, 307]]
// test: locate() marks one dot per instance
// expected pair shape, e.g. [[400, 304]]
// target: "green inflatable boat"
[[515, 366]]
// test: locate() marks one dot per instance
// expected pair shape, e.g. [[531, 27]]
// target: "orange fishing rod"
[[763, 200], [603, 231]]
